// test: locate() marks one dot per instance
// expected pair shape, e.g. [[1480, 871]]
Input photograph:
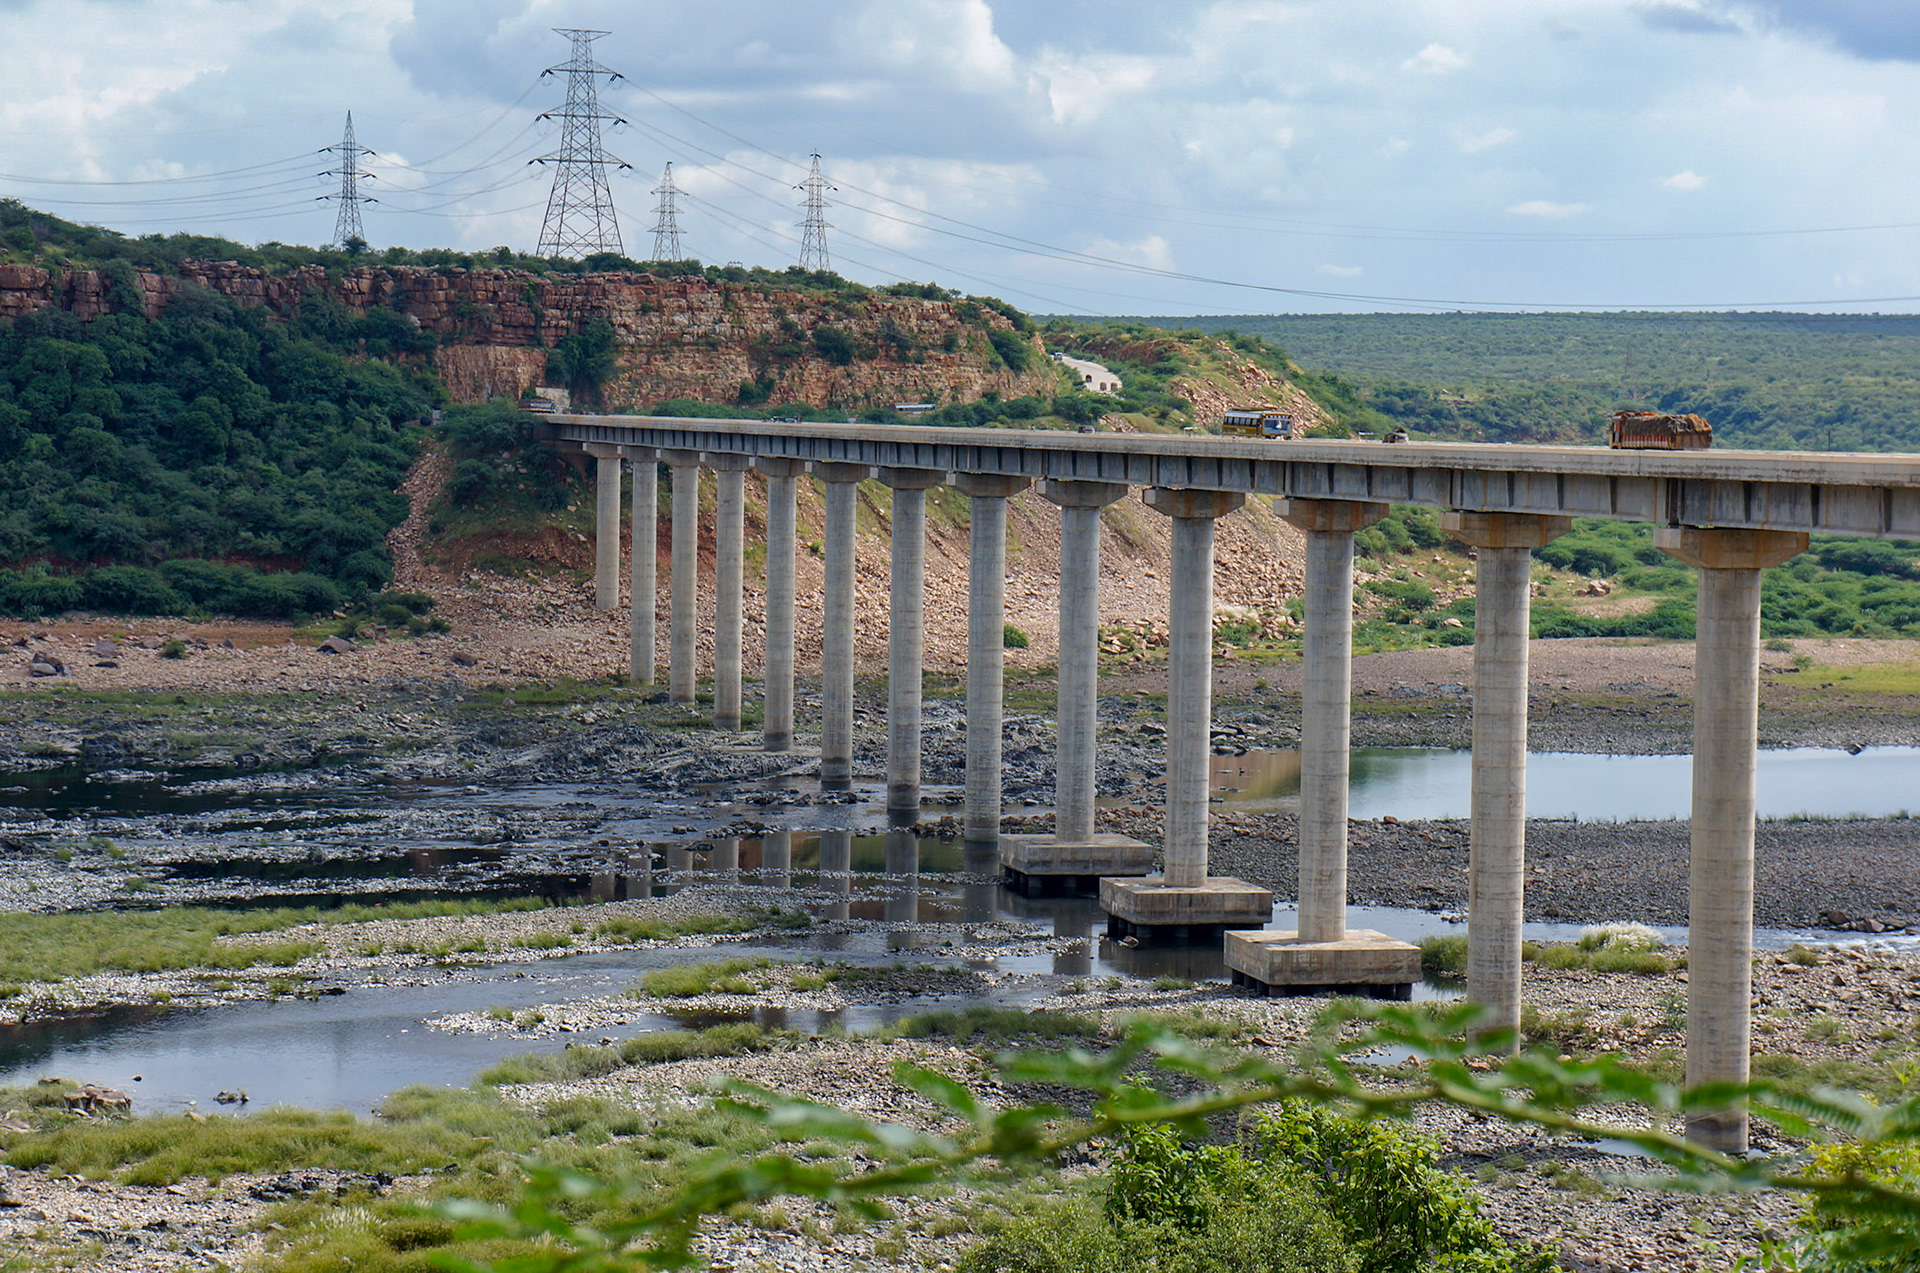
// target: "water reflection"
[[1417, 782], [776, 860], [836, 871]]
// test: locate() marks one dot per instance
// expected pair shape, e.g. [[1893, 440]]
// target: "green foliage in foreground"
[[1303, 1189], [1870, 1218], [76, 944], [1173, 1206]]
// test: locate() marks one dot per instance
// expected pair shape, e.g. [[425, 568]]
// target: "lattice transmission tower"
[[580, 219], [813, 230], [346, 227], [666, 220]]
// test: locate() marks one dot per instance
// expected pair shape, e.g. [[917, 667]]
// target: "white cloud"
[[1435, 59], [1153, 251], [1546, 208], [1475, 143], [1079, 91], [1341, 271], [1684, 180]]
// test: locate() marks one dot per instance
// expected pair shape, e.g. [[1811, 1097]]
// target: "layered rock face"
[[677, 337]]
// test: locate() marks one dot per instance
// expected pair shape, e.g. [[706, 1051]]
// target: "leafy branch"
[[1338, 1069]]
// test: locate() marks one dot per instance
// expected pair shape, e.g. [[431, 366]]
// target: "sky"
[[1073, 156]]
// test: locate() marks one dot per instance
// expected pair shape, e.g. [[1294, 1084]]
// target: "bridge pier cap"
[[836, 471], [1504, 530], [989, 485], [1339, 516], [1074, 494], [911, 479], [1183, 502], [1730, 548], [779, 466]]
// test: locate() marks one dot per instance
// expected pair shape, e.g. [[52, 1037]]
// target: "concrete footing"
[[1149, 907], [1043, 864], [1363, 962]]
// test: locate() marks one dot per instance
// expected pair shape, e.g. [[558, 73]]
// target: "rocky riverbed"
[[1854, 1007], [393, 786]]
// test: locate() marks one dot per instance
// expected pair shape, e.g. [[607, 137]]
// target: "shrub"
[[1170, 1206], [1399, 1211], [1013, 638], [1011, 350], [833, 345]]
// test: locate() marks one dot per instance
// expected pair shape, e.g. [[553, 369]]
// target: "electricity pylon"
[[346, 227], [666, 224], [580, 218], [813, 231]]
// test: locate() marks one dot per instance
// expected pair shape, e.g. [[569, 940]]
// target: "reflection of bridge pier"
[[1730, 514], [903, 876], [835, 873], [724, 860], [776, 860], [980, 892]]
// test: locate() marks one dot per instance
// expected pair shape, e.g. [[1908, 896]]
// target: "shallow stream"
[[263, 838]]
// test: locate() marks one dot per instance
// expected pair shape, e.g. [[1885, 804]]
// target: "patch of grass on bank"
[[632, 930], [1902, 679], [1194, 1024], [473, 1144], [161, 1149], [1609, 948], [77, 944], [1883, 1080], [656, 1048], [997, 1024], [718, 976]]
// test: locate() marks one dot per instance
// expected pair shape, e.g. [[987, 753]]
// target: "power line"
[[666, 225], [813, 230], [580, 218], [346, 227]]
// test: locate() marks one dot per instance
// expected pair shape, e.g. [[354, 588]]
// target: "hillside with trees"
[[192, 426], [1765, 380]]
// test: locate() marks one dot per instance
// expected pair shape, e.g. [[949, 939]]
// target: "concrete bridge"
[[1729, 513]]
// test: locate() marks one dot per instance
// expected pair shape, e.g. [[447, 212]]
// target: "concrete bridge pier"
[[1726, 708], [1322, 953], [1497, 858], [683, 612], [986, 647], [906, 634], [1184, 896], [606, 524], [776, 723], [1074, 857], [836, 627], [643, 587], [729, 556]]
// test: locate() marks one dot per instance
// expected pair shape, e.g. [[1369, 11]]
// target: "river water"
[[923, 895]]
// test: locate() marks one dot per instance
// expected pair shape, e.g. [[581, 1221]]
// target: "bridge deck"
[[1871, 495]]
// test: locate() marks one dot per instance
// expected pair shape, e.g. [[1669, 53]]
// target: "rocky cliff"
[[677, 337]]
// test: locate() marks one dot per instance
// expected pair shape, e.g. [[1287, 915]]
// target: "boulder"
[[335, 645], [46, 665]]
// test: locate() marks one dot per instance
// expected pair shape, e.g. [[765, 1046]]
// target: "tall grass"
[[52, 947], [656, 1048]]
